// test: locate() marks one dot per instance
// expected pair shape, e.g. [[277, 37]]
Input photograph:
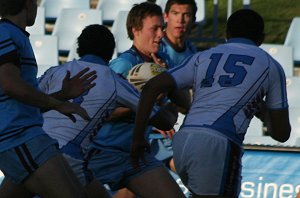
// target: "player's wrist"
[[54, 103]]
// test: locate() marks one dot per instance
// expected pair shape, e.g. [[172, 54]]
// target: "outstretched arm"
[[277, 122], [14, 86], [159, 84]]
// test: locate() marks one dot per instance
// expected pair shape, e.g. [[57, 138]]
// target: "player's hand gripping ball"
[[141, 73]]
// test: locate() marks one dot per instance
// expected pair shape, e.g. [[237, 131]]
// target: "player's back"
[[98, 101], [230, 81]]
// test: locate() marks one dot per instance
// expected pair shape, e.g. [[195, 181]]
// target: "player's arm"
[[278, 124], [159, 84], [75, 86], [119, 113], [14, 86], [182, 98]]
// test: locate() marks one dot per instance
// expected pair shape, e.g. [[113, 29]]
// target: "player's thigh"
[[157, 183], [55, 178], [9, 189], [95, 189]]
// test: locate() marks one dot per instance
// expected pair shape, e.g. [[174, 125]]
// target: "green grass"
[[277, 14]]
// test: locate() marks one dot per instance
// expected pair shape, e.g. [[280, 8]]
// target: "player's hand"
[[166, 134], [68, 109], [158, 61], [119, 113], [78, 84], [138, 149]]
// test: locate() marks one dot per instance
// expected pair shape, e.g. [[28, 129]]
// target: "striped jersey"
[[18, 122], [229, 81], [110, 92]]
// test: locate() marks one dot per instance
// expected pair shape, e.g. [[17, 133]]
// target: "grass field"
[[277, 14]]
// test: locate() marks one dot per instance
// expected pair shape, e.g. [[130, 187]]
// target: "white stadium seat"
[[45, 51], [71, 22], [283, 54], [54, 7]]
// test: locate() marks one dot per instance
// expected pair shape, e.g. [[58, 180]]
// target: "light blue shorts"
[[115, 169], [21, 161], [161, 147], [207, 162]]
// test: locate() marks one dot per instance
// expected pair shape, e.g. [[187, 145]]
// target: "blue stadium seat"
[[283, 54], [292, 38], [119, 31], [39, 24], [71, 22], [45, 50], [54, 7], [111, 8]]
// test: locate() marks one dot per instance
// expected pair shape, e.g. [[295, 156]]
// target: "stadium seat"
[[293, 93], [71, 22], [111, 8], [73, 52], [54, 7], [119, 31], [45, 50], [255, 128], [283, 54], [1, 177], [292, 39], [39, 24]]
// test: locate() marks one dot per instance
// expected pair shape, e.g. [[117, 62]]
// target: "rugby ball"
[[141, 73]]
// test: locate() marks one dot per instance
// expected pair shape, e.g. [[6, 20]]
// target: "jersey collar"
[[241, 40], [11, 23], [93, 59]]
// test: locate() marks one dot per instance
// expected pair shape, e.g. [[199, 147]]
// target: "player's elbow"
[[281, 135]]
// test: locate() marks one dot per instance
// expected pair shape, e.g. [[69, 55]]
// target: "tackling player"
[[230, 83]]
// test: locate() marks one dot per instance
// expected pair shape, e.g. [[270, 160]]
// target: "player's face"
[[179, 20], [31, 7], [147, 39]]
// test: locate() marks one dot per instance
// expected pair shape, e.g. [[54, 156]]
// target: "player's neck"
[[177, 43]]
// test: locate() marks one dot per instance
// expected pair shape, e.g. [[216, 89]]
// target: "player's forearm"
[[145, 106], [17, 88], [60, 95]]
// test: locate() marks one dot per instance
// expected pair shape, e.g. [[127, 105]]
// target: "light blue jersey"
[[132, 57], [110, 92], [118, 135], [176, 57], [19, 122], [229, 82]]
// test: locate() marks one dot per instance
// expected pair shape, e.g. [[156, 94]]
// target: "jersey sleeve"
[[46, 79], [127, 95], [276, 97], [188, 67], [8, 49], [121, 66]]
